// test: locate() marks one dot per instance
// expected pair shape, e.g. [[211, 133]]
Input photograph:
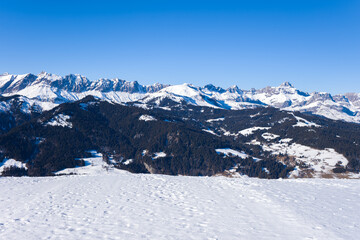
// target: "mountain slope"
[[188, 140]]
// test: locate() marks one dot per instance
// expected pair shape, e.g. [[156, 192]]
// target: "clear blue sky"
[[315, 44]]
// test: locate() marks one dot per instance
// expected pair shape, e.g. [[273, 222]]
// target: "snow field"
[[229, 151], [250, 131], [121, 205], [60, 120], [159, 155], [147, 118]]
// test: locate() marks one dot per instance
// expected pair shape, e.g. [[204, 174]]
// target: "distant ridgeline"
[[50, 123]]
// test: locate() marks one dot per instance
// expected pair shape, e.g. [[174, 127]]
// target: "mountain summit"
[[286, 84]]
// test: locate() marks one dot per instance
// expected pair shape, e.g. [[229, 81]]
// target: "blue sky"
[[314, 44]]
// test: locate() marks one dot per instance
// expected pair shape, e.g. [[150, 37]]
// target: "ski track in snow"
[[120, 205]]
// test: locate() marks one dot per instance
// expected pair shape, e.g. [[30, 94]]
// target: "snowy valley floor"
[[120, 205]]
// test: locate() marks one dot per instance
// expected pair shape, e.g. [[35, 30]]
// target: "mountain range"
[[51, 125], [45, 91]]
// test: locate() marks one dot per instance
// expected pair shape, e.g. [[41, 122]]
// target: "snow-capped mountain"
[[48, 90]]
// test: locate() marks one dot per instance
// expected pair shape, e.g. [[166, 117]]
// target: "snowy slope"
[[185, 93], [319, 163], [93, 165], [120, 205], [6, 163]]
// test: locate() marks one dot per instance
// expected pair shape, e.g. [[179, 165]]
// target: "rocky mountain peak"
[[234, 89], [213, 88], [286, 85]]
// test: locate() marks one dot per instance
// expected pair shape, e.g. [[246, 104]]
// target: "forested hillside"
[[186, 140]]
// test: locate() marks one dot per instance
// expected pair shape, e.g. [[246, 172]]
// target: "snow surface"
[[302, 122], [178, 93], [93, 165], [244, 132], [210, 131], [147, 118], [121, 205], [215, 120], [4, 107], [269, 136], [229, 152], [128, 161], [60, 120], [249, 131], [159, 155]]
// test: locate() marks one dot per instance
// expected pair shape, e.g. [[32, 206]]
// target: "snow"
[[321, 161], [228, 152], [184, 92], [159, 155], [60, 120], [4, 79], [165, 108], [285, 140], [269, 136], [147, 118], [244, 132], [40, 91], [93, 165], [11, 163], [145, 152], [128, 161], [142, 105], [255, 115], [302, 122], [295, 173], [249, 131], [49, 76], [215, 120], [26, 105], [4, 107], [120, 205], [210, 131]]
